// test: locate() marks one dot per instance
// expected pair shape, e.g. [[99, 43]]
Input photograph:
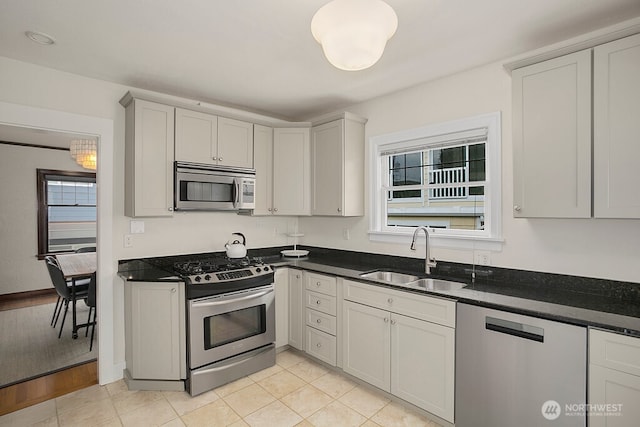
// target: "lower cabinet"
[[155, 337], [409, 357], [282, 306], [320, 316], [614, 379], [296, 309]]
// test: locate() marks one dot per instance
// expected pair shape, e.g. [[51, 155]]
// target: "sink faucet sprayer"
[[428, 262]]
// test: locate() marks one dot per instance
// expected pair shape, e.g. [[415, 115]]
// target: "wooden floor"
[[21, 395]]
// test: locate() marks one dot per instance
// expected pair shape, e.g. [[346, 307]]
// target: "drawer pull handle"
[[390, 300], [386, 320], [393, 322], [318, 284], [318, 345], [319, 321], [318, 302]]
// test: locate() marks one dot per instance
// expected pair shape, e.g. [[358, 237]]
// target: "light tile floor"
[[294, 392]]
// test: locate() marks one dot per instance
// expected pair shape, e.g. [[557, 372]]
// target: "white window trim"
[[489, 239]]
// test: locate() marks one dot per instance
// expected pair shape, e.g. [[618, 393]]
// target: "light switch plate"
[[136, 227]]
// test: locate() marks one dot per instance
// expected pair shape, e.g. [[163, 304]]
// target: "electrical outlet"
[[128, 241], [346, 234], [482, 258]]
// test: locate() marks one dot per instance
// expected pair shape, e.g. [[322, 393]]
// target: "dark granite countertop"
[[577, 300]]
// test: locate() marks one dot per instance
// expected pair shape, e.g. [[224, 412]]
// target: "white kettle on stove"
[[235, 249]]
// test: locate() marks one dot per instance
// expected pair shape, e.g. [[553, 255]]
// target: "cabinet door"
[[366, 344], [616, 128], [263, 163], [235, 143], [282, 306], [620, 391], [196, 137], [155, 330], [296, 310], [552, 138], [149, 159], [422, 364], [327, 174], [291, 171]]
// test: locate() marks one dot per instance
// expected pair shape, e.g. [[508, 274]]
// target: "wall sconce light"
[[354, 33]]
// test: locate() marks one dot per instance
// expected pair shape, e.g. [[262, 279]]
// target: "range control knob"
[[258, 270], [197, 278], [207, 277], [266, 268]]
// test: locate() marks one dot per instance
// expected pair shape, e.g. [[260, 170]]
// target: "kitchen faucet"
[[428, 262]]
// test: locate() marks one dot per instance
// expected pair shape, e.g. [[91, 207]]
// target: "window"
[[66, 210], [444, 176]]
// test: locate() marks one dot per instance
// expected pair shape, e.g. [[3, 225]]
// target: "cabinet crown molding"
[[584, 41]]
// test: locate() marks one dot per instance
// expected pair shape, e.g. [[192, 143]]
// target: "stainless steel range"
[[230, 318]]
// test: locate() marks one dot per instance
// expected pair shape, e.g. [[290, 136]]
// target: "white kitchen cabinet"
[[291, 172], [390, 340], [296, 309], [209, 139], [281, 280], [196, 137], [155, 333], [552, 138], [337, 167], [614, 379], [263, 163], [366, 339], [149, 144], [235, 143], [321, 316], [422, 364], [616, 128]]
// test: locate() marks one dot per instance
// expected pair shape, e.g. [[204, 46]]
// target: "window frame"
[[488, 239], [42, 200]]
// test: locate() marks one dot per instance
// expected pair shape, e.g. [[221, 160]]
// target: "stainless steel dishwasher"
[[516, 370]]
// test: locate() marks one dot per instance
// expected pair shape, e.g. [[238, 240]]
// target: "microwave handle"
[[236, 197]]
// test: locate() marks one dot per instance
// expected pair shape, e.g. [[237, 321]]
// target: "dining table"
[[77, 266]]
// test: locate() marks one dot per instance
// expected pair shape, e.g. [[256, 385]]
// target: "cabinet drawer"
[[615, 351], [321, 345], [321, 302], [320, 283], [436, 310], [321, 321]]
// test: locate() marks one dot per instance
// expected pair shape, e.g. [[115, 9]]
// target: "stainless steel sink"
[[391, 277], [435, 285]]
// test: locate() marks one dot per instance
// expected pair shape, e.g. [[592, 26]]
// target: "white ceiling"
[[259, 55]]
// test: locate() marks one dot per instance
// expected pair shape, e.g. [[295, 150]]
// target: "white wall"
[[55, 91], [589, 247], [20, 269]]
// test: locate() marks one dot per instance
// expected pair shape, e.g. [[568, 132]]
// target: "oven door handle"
[[225, 300]]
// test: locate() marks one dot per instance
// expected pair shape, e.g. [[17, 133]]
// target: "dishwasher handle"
[[516, 329]]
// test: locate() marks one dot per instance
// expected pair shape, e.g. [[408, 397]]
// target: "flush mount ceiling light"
[[353, 33], [40, 38], [84, 152]]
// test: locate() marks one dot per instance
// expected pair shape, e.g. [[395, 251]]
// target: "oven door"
[[226, 325]]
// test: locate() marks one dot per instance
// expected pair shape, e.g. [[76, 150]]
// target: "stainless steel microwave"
[[213, 188]]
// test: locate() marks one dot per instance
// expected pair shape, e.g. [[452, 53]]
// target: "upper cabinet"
[[235, 143], [552, 138], [149, 144], [337, 167], [554, 110], [616, 126], [281, 158], [209, 139]]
